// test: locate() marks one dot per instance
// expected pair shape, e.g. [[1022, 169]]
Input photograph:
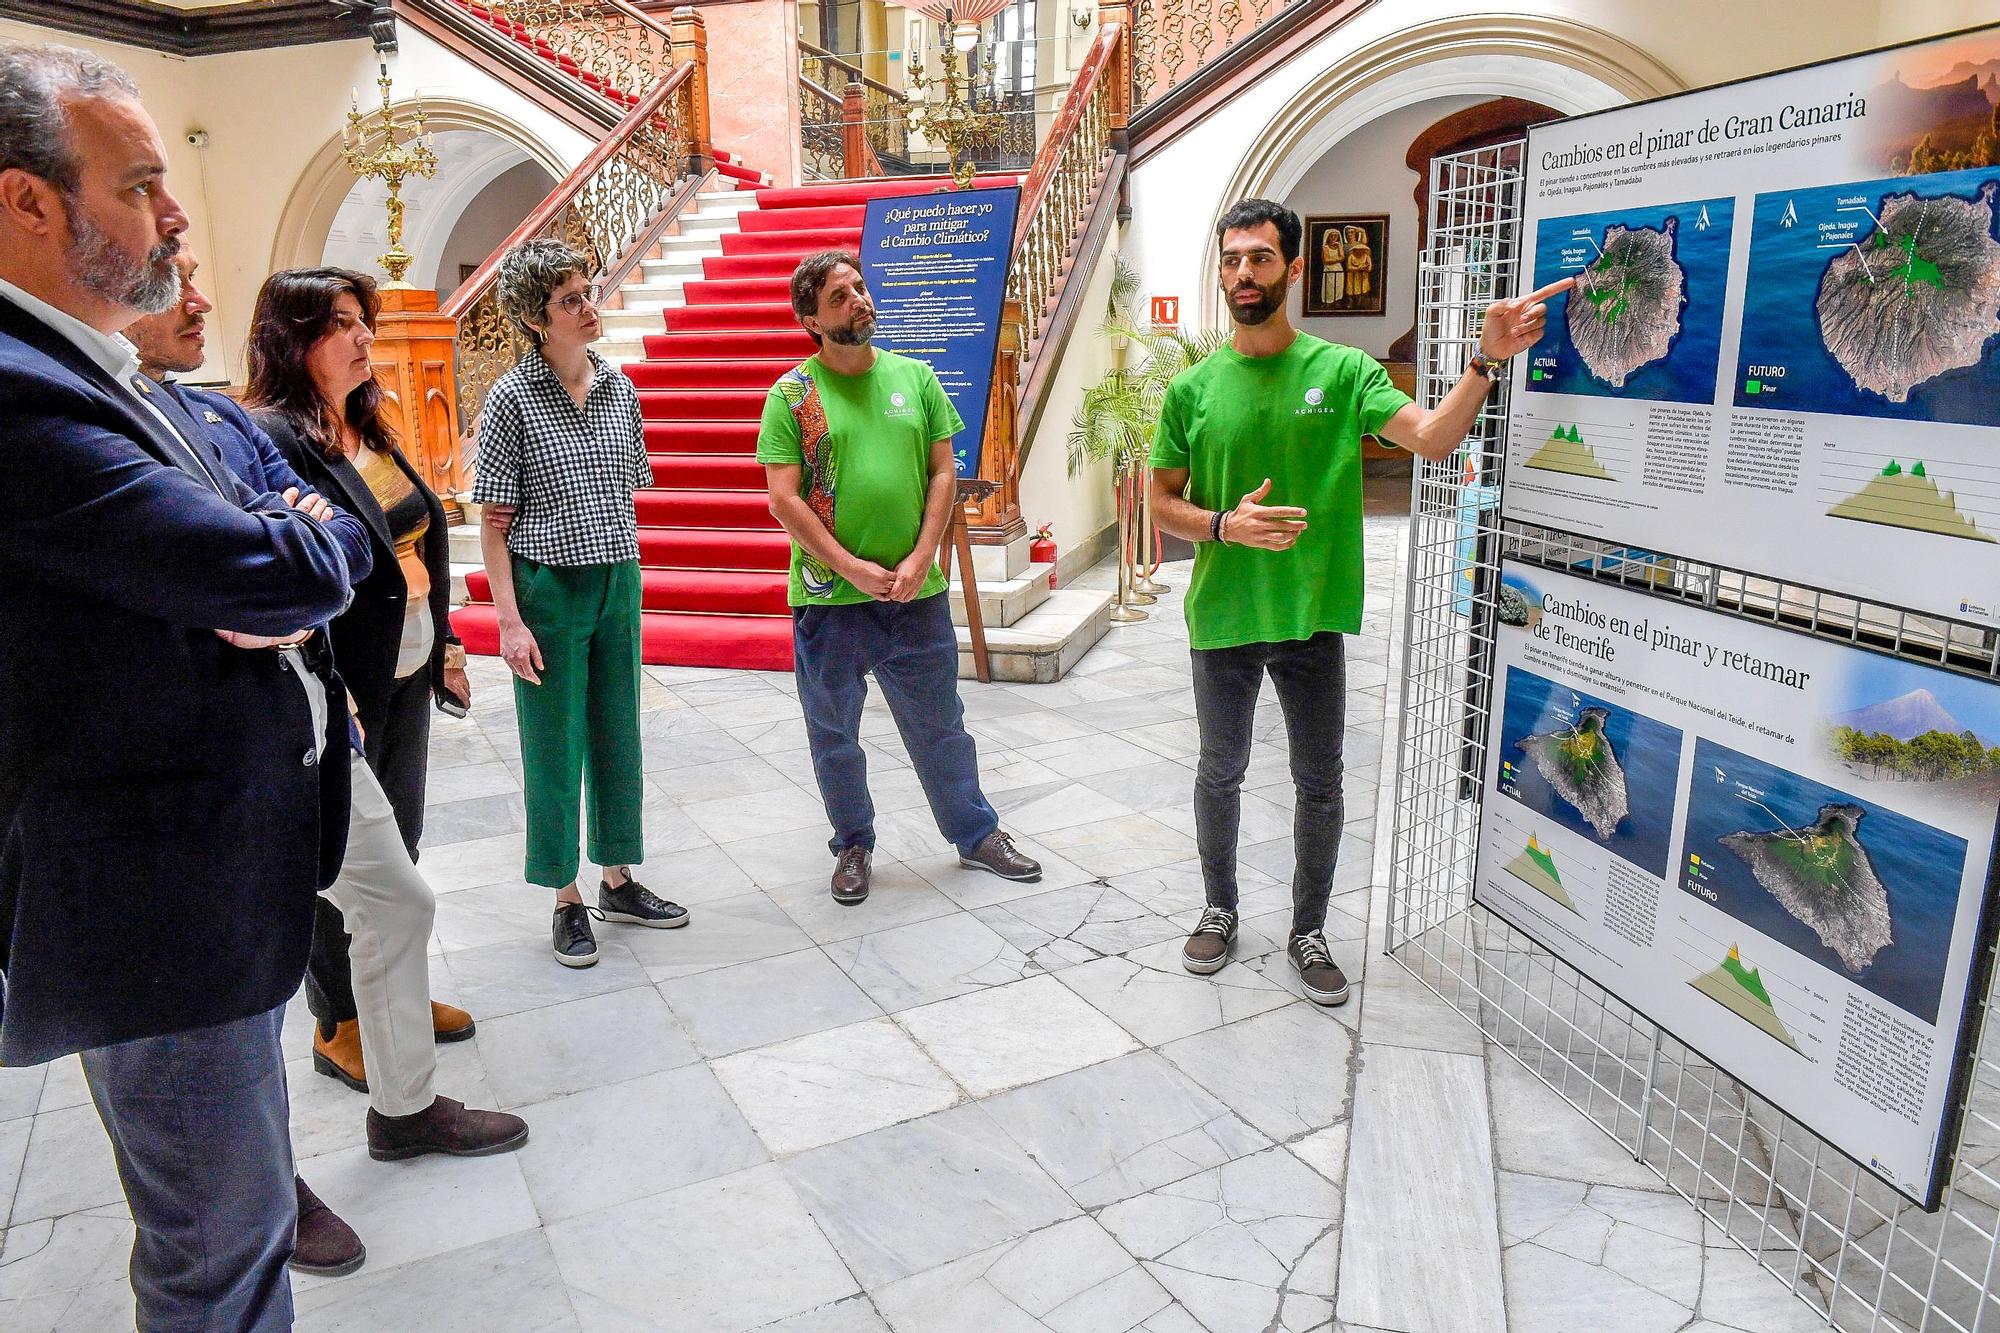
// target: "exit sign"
[[1166, 312]]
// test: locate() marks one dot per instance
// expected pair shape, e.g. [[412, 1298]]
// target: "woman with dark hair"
[[313, 390], [560, 452]]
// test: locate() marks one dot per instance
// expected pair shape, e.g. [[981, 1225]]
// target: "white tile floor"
[[967, 1105]]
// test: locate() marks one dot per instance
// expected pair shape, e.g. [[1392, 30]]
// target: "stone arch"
[[310, 209], [1570, 66]]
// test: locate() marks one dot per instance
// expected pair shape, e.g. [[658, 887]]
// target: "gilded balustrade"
[[1172, 39], [624, 49], [1072, 164], [821, 130], [611, 204], [885, 112]]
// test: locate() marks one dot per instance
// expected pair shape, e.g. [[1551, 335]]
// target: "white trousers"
[[388, 908]]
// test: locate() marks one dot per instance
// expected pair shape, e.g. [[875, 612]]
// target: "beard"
[[1269, 301], [856, 334], [149, 284]]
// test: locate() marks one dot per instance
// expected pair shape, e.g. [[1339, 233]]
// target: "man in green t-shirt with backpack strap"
[[856, 447], [1277, 416]]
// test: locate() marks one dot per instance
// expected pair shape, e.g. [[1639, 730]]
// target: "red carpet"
[[714, 560]]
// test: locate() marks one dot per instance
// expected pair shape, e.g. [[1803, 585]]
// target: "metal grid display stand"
[[1852, 1249]]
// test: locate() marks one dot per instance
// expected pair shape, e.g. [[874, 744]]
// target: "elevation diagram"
[[1535, 866], [1566, 450], [1739, 988], [1900, 496]]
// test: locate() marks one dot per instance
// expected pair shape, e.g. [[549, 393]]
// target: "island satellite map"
[[1592, 766], [1876, 298], [1644, 320], [1844, 881]]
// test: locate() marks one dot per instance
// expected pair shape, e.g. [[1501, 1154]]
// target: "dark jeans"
[[200, 1127], [913, 651], [1311, 681], [398, 748]]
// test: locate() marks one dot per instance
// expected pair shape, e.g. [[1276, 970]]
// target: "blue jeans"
[[913, 651], [200, 1126]]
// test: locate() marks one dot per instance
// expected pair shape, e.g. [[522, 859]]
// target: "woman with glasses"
[[561, 451]]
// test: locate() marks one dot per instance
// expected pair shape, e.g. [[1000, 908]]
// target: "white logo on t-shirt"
[[897, 399], [1315, 396]]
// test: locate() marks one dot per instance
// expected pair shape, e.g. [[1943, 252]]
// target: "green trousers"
[[580, 726]]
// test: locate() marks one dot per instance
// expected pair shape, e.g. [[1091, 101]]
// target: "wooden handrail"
[[853, 70], [568, 188], [1043, 170], [831, 99]]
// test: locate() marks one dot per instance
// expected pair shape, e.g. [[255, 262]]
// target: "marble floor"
[[967, 1104]]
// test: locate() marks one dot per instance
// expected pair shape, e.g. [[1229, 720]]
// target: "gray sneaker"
[[1207, 947], [1322, 979]]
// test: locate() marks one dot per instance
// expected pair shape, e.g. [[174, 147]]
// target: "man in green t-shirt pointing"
[[856, 447], [1258, 460]]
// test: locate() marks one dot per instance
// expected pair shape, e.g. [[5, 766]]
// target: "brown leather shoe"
[[850, 876], [450, 1023], [444, 1126], [339, 1056], [326, 1246], [999, 855]]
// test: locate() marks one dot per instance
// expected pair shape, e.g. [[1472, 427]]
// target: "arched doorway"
[[1452, 64], [495, 146]]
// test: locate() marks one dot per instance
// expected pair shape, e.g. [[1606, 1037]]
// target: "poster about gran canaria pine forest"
[[1782, 351]]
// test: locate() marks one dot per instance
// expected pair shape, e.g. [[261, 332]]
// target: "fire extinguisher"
[[1042, 551]]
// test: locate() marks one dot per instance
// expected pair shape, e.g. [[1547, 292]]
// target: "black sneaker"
[[1207, 947], [1322, 979], [575, 946], [636, 905]]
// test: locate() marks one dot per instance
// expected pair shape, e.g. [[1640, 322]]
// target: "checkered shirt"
[[571, 473]]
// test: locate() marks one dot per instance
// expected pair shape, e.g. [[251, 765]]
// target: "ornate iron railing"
[[1174, 39], [1065, 177], [821, 131], [884, 112], [619, 50], [611, 207]]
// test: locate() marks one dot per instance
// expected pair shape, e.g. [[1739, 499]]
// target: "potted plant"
[[1120, 413]]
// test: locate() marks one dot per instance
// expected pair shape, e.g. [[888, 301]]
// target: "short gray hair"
[[529, 276], [36, 84]]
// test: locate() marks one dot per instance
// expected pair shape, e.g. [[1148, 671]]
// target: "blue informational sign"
[[936, 266]]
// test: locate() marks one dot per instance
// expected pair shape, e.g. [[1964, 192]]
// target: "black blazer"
[[163, 822], [367, 636]]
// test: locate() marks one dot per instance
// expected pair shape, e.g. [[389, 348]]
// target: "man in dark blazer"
[[165, 820]]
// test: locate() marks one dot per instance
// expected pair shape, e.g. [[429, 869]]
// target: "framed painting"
[[1346, 264]]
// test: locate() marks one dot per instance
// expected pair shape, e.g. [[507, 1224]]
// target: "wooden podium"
[[415, 362]]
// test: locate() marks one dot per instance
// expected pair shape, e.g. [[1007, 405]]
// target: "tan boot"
[[449, 1023], [339, 1056]]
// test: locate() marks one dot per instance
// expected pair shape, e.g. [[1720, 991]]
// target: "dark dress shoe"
[[444, 1126], [999, 855], [850, 876], [326, 1246]]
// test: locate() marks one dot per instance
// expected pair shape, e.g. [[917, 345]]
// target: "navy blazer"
[[164, 819], [258, 465]]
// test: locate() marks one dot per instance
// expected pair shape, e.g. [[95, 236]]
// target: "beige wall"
[[1081, 506], [490, 219], [753, 99], [268, 115]]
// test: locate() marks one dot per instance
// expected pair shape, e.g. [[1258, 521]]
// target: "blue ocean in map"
[[1648, 751], [1686, 374], [1781, 311], [1920, 867]]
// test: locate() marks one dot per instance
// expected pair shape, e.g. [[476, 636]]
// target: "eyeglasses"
[[574, 302]]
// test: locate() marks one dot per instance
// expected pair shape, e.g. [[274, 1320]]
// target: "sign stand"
[[971, 490]]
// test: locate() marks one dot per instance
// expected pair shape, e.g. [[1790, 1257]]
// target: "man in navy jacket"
[[165, 819]]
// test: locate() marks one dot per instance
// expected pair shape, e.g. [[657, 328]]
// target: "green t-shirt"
[[1297, 418], [865, 443]]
